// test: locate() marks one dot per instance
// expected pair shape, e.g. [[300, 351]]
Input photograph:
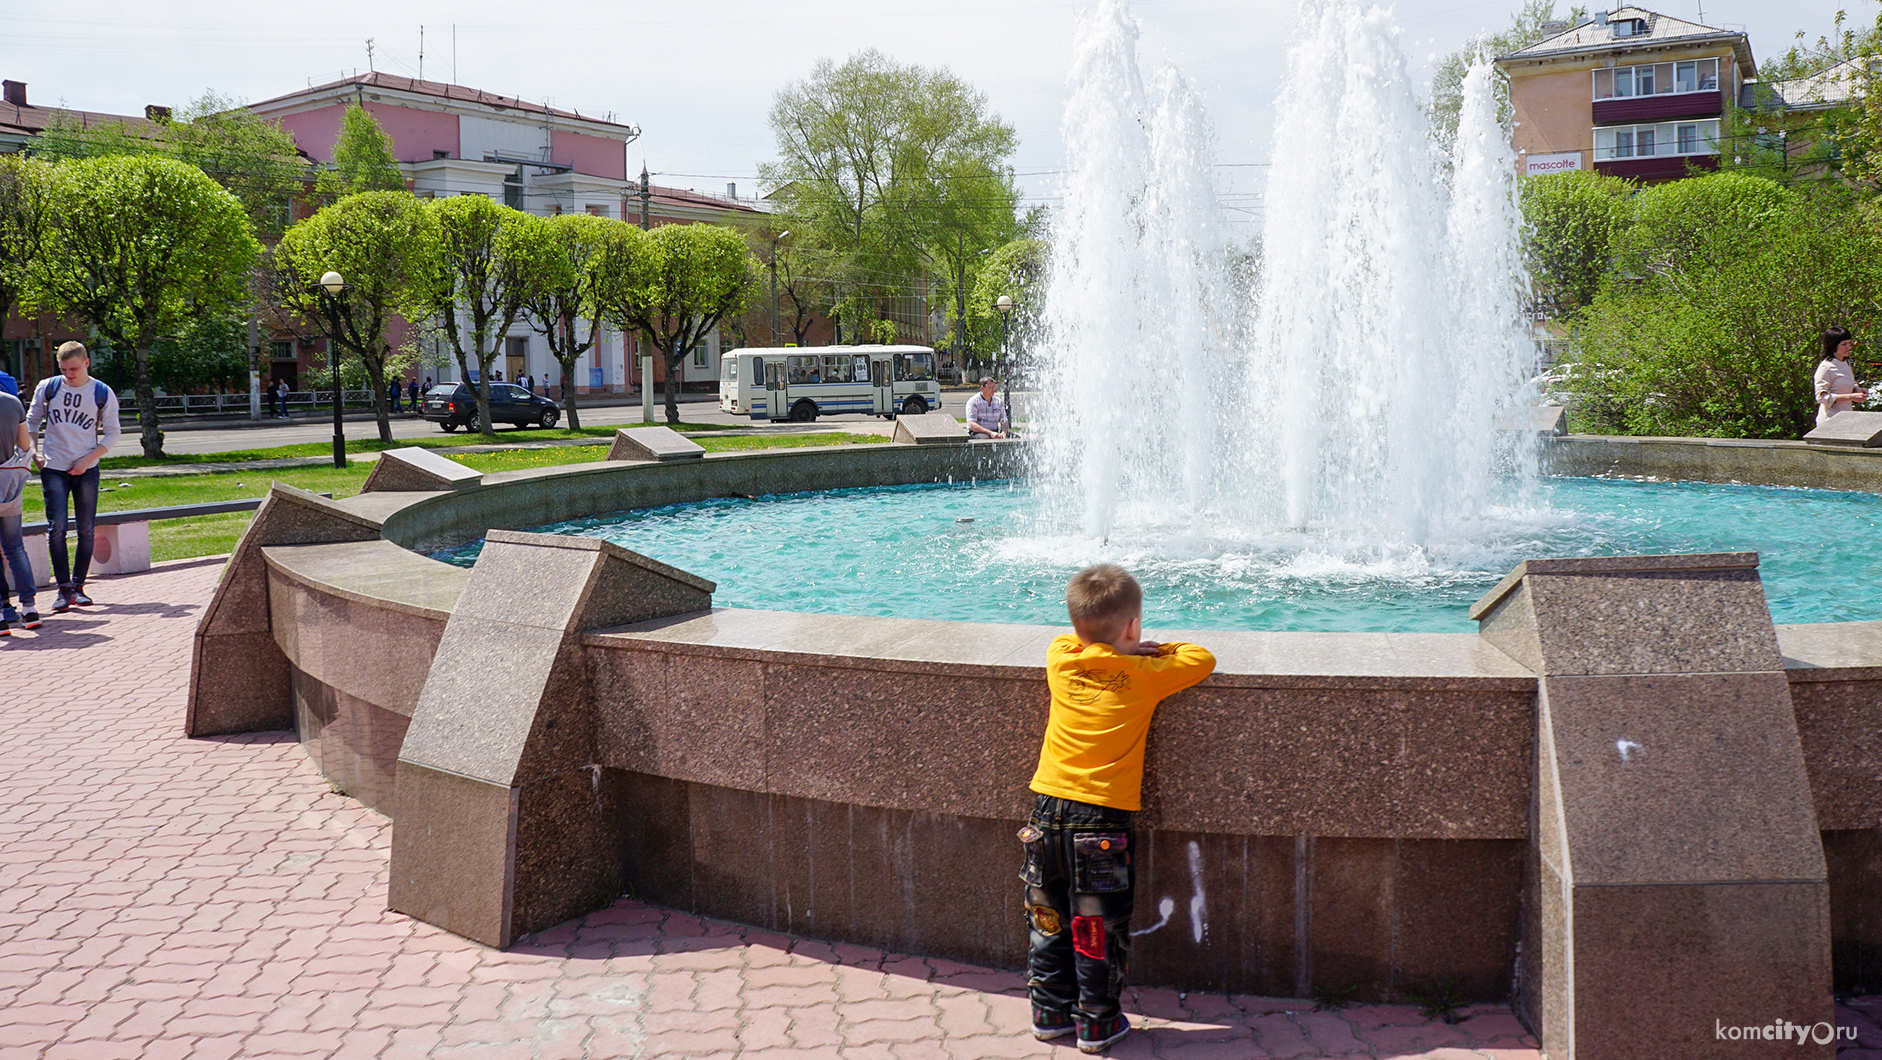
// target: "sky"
[[699, 86]]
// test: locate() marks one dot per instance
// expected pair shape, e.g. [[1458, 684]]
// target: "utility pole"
[[254, 368], [777, 337], [646, 359]]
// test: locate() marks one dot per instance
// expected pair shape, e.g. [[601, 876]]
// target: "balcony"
[[1659, 108], [1658, 169]]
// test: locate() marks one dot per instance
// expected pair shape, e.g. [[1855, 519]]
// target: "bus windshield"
[[728, 368]]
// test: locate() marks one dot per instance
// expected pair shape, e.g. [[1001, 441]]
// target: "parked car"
[[454, 405]]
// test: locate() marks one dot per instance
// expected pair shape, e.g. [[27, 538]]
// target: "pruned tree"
[[362, 158], [673, 285], [1571, 221], [559, 295], [385, 245], [140, 248], [480, 284]]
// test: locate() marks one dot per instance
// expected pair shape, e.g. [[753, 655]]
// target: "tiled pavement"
[[165, 897]]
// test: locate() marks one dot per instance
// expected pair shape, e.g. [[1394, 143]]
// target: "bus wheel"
[[804, 411], [914, 407]]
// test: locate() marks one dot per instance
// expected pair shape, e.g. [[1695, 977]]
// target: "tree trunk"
[[148, 434], [673, 389], [568, 392], [382, 408]]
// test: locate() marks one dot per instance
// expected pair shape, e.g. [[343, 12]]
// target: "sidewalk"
[[214, 898], [216, 421]]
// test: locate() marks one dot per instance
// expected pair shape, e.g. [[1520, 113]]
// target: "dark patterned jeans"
[[1078, 905], [83, 489]]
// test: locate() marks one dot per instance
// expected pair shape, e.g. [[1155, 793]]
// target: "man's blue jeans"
[[1079, 897], [83, 489], [19, 568]]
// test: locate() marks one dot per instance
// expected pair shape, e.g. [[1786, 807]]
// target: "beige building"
[[1631, 93]]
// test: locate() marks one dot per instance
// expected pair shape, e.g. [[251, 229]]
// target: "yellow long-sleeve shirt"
[[1101, 706]]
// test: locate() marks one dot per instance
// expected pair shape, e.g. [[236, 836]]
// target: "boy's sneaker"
[[31, 619], [79, 599], [8, 618], [63, 602], [1048, 1023], [1094, 1036]]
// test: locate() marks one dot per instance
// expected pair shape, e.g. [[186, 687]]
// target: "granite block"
[[690, 718], [1854, 428], [1687, 778], [453, 853], [656, 838], [1456, 915], [1202, 881], [567, 849], [1839, 724], [1636, 614], [415, 469], [654, 444], [353, 743], [480, 701], [379, 573], [929, 428], [1351, 913], [1854, 857], [1670, 963], [1537, 419], [377, 654], [238, 683], [960, 893], [734, 855]]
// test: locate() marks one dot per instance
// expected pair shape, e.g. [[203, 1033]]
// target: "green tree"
[[1571, 221], [362, 158], [140, 249], [673, 285], [22, 194], [559, 288], [212, 353], [385, 245], [1018, 271], [479, 288], [1708, 326], [252, 157], [804, 287], [1447, 80], [890, 171]]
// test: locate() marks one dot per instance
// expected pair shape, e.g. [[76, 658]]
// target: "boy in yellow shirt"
[[1105, 680]]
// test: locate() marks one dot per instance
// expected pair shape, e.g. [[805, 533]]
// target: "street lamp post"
[[776, 336], [332, 287], [1005, 305]]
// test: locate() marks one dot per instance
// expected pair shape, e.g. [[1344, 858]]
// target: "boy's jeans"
[[1079, 894], [19, 568], [83, 489]]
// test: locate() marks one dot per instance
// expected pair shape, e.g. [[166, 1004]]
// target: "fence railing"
[[209, 404]]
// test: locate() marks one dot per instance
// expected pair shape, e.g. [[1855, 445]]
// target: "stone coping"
[[1611, 565], [378, 573], [1412, 661]]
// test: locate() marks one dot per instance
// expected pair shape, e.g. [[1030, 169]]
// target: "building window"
[[597, 209], [1649, 141], [282, 350], [1657, 79]]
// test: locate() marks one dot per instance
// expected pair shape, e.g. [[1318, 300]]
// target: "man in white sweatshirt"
[[80, 418]]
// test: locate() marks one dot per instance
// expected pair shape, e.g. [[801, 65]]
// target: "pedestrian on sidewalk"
[[17, 443], [79, 416], [281, 396], [392, 395], [412, 390]]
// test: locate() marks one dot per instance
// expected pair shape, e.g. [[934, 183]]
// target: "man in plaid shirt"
[[986, 414]]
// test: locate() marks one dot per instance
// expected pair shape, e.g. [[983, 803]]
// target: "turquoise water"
[[907, 551]]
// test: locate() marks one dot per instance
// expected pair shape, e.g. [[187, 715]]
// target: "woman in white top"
[[1835, 380]]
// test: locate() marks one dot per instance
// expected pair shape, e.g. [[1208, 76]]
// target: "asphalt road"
[[271, 433]]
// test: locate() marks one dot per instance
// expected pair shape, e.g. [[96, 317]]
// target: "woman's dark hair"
[[1832, 338]]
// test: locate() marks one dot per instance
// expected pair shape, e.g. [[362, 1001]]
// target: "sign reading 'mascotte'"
[[1562, 163]]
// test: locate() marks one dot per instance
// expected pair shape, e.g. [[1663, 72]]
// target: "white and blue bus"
[[804, 382]]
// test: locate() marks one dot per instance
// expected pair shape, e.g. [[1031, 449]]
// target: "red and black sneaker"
[[1048, 1023], [1095, 1036]]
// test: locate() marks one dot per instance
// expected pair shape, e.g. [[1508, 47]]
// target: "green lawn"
[[440, 440], [215, 534]]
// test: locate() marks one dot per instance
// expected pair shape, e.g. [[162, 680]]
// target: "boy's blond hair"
[[69, 350], [1102, 599]]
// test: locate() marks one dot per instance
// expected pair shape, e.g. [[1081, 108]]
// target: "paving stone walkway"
[[165, 897]]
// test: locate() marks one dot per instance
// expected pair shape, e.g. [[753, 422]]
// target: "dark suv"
[[454, 405]]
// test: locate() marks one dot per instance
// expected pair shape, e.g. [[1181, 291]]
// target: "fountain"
[[1363, 813]]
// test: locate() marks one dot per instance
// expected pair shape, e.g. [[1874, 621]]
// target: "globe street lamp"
[[1005, 305], [332, 288]]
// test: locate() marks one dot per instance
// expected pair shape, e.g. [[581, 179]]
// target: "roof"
[[1592, 37], [688, 197], [1831, 87], [447, 92], [31, 121]]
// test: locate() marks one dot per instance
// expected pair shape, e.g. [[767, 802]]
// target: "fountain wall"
[[1327, 811]]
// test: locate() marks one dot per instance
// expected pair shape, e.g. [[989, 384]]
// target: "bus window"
[[836, 369], [728, 369], [801, 369], [914, 366], [860, 369]]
